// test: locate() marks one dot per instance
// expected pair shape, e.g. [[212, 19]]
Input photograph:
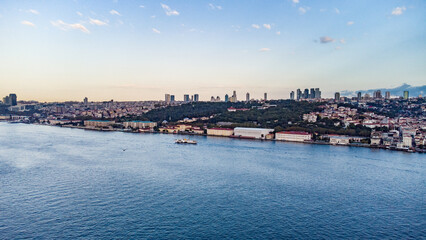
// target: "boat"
[[185, 141]]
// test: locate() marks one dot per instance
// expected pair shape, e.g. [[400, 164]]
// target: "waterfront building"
[[196, 97], [339, 140], [186, 98], [257, 133], [167, 98], [13, 99], [292, 95], [98, 123], [337, 96], [406, 95], [139, 124], [247, 97], [225, 132], [293, 136]]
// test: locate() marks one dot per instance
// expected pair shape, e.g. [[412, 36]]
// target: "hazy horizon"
[[140, 50]]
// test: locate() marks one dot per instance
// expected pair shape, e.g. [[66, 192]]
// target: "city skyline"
[[141, 50]]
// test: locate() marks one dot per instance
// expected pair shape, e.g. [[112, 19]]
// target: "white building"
[[258, 133], [140, 124], [339, 140], [293, 136], [226, 132]]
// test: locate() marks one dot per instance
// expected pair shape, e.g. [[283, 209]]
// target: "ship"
[[185, 141]]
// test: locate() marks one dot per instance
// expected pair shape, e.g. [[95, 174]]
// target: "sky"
[[131, 50]]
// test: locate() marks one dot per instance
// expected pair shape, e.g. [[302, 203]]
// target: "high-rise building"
[[265, 96], [212, 99], [6, 100], [299, 94], [217, 99], [85, 101], [306, 94], [292, 95], [387, 95], [359, 96], [406, 95], [377, 94], [312, 94], [167, 98], [317, 93], [234, 96], [226, 98], [186, 98], [337, 96], [172, 98], [13, 99], [196, 97], [247, 97]]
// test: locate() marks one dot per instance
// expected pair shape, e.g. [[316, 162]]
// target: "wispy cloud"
[[264, 50], [141, 6], [255, 26], [79, 14], [97, 22], [398, 11], [33, 11], [215, 7], [296, 1], [337, 10], [169, 11], [114, 12], [69, 26], [28, 23], [302, 10], [350, 23], [156, 30], [267, 26], [326, 39]]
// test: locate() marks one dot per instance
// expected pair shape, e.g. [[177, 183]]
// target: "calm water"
[[70, 183]]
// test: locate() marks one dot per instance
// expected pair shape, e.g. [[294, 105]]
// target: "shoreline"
[[205, 135]]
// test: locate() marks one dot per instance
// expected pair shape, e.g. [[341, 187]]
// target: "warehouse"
[[257, 133]]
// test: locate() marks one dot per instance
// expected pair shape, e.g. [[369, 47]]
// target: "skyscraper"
[[306, 93], [377, 94], [359, 97], [167, 98], [226, 98], [196, 97], [172, 98], [317, 93], [186, 98], [247, 97], [337, 96], [292, 95], [387, 95], [86, 101], [234, 96], [299, 94], [6, 100], [13, 99], [312, 94], [265, 96], [406, 95]]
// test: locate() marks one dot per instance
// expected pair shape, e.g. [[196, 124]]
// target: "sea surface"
[[61, 183]]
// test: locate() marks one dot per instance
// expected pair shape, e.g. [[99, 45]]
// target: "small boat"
[[185, 141]]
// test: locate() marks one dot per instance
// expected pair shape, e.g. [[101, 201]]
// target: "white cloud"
[[97, 22], [267, 26], [79, 14], [69, 26], [255, 26], [141, 6], [169, 11], [113, 12], [215, 7], [278, 33], [302, 10], [398, 11], [296, 1], [350, 23], [326, 39], [156, 30], [264, 50], [337, 10], [28, 23], [33, 11], [342, 41]]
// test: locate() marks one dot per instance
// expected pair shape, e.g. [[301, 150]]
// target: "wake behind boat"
[[185, 141]]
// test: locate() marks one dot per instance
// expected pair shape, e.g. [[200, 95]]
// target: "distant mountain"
[[414, 91]]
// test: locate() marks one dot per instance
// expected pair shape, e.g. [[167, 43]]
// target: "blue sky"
[[140, 50]]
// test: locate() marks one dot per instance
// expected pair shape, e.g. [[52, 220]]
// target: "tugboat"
[[185, 141]]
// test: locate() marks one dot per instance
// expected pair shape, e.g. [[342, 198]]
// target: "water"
[[70, 183]]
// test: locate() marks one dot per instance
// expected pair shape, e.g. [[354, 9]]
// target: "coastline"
[[195, 134]]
